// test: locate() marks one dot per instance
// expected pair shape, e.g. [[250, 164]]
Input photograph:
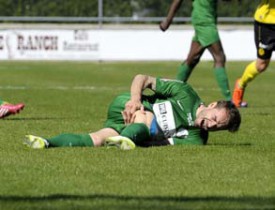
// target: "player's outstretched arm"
[[164, 25]]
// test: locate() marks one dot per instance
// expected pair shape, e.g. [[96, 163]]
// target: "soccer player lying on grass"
[[173, 115], [7, 109]]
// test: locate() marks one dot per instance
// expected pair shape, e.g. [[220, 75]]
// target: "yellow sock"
[[249, 74]]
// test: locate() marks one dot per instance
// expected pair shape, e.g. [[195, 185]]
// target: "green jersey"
[[204, 12], [174, 105]]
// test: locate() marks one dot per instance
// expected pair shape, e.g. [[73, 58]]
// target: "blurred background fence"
[[114, 11], [68, 30]]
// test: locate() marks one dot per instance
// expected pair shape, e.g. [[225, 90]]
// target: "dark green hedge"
[[114, 8]]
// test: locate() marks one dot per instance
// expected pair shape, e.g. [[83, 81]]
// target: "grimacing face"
[[212, 118]]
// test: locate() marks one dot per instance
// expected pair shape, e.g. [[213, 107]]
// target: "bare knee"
[[140, 117], [97, 139], [194, 54], [193, 61], [217, 53], [262, 65], [144, 117], [219, 60]]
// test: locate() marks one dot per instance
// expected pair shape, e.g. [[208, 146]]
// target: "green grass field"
[[234, 171]]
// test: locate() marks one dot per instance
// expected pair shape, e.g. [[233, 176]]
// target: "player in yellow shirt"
[[264, 33]]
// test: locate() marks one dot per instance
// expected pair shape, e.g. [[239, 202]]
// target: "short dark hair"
[[234, 120]]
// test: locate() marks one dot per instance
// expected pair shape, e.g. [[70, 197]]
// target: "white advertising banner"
[[89, 45], [49, 45]]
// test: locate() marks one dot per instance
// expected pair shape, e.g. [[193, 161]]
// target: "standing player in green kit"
[[204, 21]]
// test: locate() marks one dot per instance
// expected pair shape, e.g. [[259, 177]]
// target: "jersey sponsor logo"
[[165, 118], [261, 52]]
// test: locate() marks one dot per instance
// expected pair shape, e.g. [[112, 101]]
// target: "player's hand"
[[164, 25], [130, 108], [139, 116]]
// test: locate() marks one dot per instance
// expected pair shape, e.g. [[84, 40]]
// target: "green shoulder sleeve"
[[169, 87]]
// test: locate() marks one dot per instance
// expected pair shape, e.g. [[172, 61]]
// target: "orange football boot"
[[238, 94]]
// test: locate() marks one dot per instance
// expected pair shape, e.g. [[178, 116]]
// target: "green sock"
[[184, 72], [137, 132], [1, 102], [71, 140], [222, 80]]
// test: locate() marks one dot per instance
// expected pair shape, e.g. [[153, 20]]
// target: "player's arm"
[[139, 83], [164, 25]]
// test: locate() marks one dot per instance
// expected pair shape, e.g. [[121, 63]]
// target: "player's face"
[[212, 119]]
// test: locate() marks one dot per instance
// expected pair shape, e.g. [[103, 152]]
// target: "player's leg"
[[116, 122], [135, 133], [139, 132], [193, 58], [100, 136], [265, 44], [81, 140], [217, 52], [251, 71], [71, 140]]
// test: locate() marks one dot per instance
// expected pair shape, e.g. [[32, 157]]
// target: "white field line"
[[87, 88]]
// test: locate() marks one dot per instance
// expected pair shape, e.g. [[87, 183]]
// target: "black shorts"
[[264, 39]]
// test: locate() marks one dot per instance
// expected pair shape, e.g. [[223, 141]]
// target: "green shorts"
[[114, 116], [206, 34]]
